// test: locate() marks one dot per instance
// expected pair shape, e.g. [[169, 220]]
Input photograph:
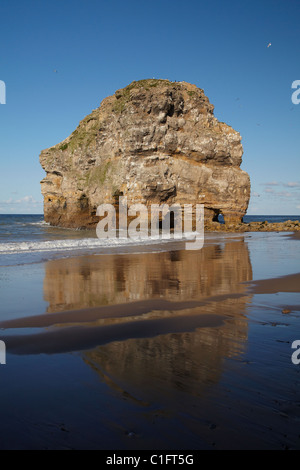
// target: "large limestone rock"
[[154, 141]]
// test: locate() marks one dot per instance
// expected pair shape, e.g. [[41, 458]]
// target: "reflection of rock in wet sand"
[[155, 369], [76, 283], [148, 368], [162, 323]]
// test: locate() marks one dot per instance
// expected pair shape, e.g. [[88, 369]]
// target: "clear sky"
[[60, 58]]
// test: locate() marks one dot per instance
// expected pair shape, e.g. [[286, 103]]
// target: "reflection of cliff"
[[179, 275], [158, 369], [161, 367]]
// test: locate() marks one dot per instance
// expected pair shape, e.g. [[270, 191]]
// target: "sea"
[[29, 239]]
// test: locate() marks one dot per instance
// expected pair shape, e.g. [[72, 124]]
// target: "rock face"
[[154, 141]]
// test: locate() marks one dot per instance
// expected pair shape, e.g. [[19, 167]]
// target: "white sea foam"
[[74, 244], [41, 223], [28, 252], [80, 244], [34, 251]]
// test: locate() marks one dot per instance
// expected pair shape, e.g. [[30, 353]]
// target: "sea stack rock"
[[154, 141]]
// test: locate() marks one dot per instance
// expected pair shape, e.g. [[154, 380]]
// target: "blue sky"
[[59, 59]]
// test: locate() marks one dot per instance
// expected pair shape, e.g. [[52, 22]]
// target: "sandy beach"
[[168, 350]]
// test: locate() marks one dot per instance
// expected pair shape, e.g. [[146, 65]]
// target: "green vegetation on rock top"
[[123, 95]]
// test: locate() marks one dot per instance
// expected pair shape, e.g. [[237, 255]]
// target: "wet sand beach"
[[170, 350]]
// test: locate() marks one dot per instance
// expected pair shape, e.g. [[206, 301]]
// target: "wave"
[[40, 223], [77, 244]]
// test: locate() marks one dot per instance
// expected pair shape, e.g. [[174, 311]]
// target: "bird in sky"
[[269, 45]]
